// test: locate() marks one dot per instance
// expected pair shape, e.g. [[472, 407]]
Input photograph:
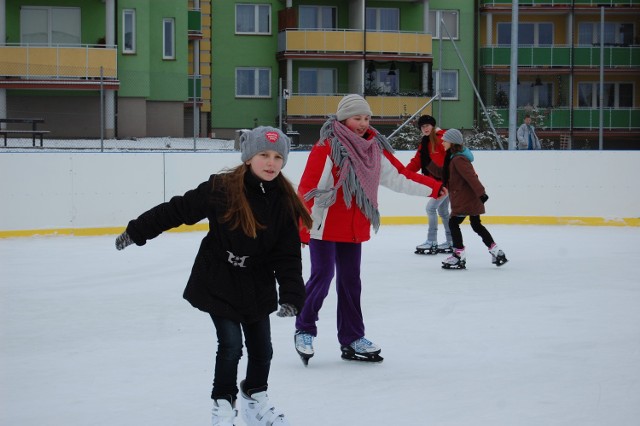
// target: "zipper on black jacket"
[[262, 187]]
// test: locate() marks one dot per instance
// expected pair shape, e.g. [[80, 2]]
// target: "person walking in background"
[[340, 187], [467, 196], [429, 159], [253, 241], [526, 135]]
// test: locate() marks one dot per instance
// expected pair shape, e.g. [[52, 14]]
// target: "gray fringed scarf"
[[358, 162]]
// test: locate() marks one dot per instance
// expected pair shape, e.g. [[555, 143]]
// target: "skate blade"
[[425, 252], [373, 358], [447, 266], [304, 358], [445, 251], [501, 262]]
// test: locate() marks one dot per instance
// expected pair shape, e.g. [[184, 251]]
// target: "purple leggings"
[[330, 258]]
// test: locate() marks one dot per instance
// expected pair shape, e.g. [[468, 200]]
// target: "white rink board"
[[95, 190]]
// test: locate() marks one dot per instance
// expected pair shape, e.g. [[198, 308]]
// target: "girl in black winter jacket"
[[253, 241]]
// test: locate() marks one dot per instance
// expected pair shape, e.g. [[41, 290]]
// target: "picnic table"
[[33, 132]]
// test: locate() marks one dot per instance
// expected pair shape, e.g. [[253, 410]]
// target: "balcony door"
[[50, 25]]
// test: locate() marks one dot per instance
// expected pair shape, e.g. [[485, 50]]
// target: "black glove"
[[123, 240], [484, 198], [287, 310]]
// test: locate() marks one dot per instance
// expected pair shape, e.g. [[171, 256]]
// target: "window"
[[128, 31], [615, 33], [529, 34], [253, 19], [529, 94], [448, 86], [253, 82], [321, 17], [50, 25], [168, 38], [380, 81], [383, 19], [450, 18], [616, 95], [317, 81]]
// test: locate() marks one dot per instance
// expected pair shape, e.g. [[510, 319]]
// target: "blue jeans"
[[343, 260], [259, 351], [435, 208]]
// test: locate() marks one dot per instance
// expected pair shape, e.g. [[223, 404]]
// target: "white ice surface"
[[93, 336]]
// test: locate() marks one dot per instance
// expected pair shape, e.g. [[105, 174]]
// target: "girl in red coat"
[[429, 159], [467, 199], [340, 187]]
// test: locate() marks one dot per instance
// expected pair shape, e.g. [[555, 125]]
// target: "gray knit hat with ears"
[[264, 138], [351, 105], [453, 136]]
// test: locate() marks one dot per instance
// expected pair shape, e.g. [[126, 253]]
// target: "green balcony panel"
[[194, 21], [198, 88]]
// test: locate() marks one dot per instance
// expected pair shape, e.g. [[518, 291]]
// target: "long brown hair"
[[433, 140], [239, 213]]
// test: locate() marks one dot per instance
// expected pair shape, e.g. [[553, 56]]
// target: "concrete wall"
[[84, 193]]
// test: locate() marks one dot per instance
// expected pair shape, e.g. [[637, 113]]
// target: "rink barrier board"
[[391, 220]]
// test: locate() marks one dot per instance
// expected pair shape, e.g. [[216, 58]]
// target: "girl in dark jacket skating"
[[253, 241], [467, 197]]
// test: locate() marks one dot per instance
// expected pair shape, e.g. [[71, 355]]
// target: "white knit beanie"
[[453, 136], [351, 105], [264, 138]]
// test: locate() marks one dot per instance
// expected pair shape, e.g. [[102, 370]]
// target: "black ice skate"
[[361, 350], [428, 247], [458, 260], [498, 257]]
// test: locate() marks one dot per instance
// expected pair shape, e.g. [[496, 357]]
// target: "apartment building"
[[561, 65], [287, 64], [112, 68]]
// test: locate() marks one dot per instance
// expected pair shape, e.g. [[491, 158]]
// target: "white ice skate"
[[498, 257], [223, 413], [428, 247], [304, 345], [258, 411], [362, 350], [458, 260], [446, 247]]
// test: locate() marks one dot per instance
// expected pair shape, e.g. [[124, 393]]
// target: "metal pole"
[[280, 103], [513, 77], [601, 124], [439, 78], [413, 116], [473, 85], [101, 109], [195, 112]]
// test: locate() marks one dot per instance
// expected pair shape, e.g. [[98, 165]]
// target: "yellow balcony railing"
[[58, 61], [354, 41], [381, 106]]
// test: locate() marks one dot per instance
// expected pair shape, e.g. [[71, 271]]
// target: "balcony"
[[383, 107], [585, 118], [589, 3], [345, 42], [560, 56], [194, 23], [30, 65]]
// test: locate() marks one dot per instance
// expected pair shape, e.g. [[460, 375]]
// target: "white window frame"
[[256, 78], [595, 93], [379, 11], [506, 26], [320, 24], [436, 83], [168, 50], [256, 18], [50, 23], [435, 32], [132, 14], [318, 90], [595, 32]]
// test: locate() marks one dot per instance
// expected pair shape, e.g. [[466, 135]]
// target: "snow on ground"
[[93, 336]]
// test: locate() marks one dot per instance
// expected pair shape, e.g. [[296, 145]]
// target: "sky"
[[93, 336]]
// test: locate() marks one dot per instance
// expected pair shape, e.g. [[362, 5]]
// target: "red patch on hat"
[[272, 136]]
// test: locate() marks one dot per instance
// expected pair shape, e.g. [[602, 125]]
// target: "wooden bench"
[[34, 132]]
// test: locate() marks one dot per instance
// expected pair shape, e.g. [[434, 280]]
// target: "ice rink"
[[93, 336]]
